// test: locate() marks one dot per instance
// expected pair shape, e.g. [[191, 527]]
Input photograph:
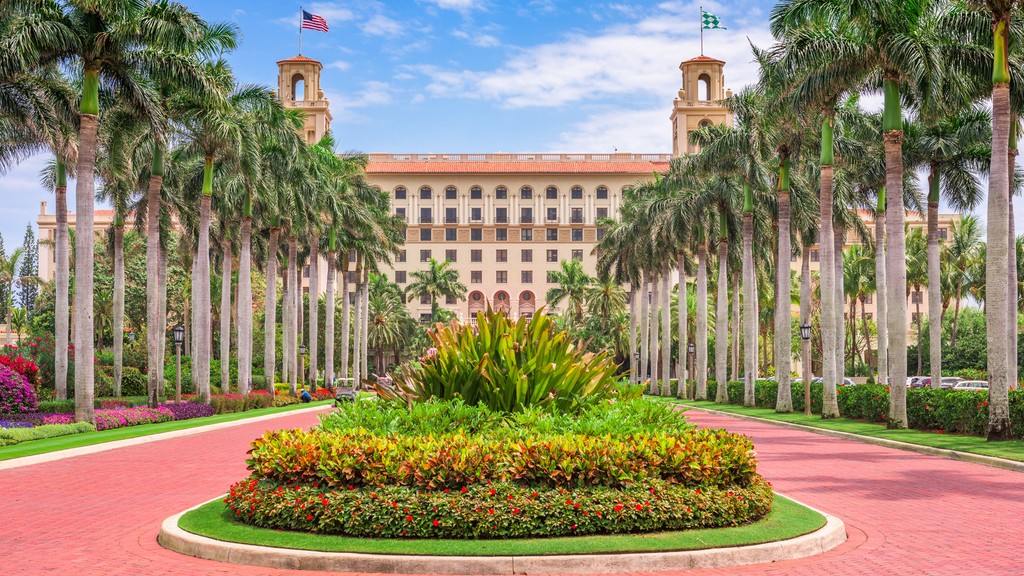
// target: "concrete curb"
[[104, 446], [172, 537], [995, 462]]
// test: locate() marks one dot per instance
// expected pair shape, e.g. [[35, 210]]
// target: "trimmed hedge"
[[702, 457], [498, 510], [10, 436], [68, 406]]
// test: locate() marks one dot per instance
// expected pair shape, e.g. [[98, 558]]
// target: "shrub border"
[[995, 462], [175, 538]]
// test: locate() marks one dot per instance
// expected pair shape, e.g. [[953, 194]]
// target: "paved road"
[[905, 513]]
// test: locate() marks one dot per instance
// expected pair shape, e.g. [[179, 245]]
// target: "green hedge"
[[9, 436], [499, 510], [68, 406], [766, 393]]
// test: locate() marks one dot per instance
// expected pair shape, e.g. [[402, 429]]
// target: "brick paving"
[[905, 513]]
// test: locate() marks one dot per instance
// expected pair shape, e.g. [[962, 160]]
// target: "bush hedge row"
[[498, 510], [10, 436], [700, 457]]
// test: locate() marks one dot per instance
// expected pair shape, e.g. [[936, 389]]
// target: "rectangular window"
[[351, 276], [943, 233], [501, 215], [577, 254], [576, 217], [476, 193], [400, 212], [552, 255], [424, 298], [426, 216], [400, 276], [526, 193], [501, 256], [476, 277], [451, 215], [527, 276], [501, 193], [600, 234], [451, 255], [527, 255], [502, 277], [425, 235], [501, 235], [815, 255], [450, 300], [425, 317], [476, 234], [305, 272], [450, 193], [451, 234], [399, 193], [401, 256], [476, 255], [869, 298], [476, 214], [602, 213], [424, 255], [577, 234], [526, 234], [526, 215], [552, 214], [552, 234]]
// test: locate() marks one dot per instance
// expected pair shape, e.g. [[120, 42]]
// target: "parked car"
[[950, 381], [845, 382], [975, 385], [912, 381], [926, 382]]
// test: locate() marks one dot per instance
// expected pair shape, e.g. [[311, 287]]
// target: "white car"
[[976, 385]]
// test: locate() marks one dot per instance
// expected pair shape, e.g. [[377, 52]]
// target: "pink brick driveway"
[[905, 513]]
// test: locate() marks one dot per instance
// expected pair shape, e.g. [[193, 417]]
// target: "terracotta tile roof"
[[703, 58], [299, 58], [511, 167]]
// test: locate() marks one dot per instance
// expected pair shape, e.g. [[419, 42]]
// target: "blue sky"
[[476, 75]]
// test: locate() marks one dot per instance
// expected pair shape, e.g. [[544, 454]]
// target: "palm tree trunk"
[[917, 312], [997, 259], [286, 323], [666, 332], [867, 333], [882, 319], [896, 254], [346, 322], [161, 295], [300, 328], [681, 311], [60, 333], [722, 319], [153, 294], [357, 330], [749, 310], [244, 307], [225, 316], [314, 305], [1011, 264], [783, 334], [839, 235], [293, 315], [734, 343], [805, 320], [854, 348], [329, 324], [652, 336], [645, 322], [270, 312], [956, 316], [118, 304], [829, 314], [85, 238], [934, 280], [201, 287], [701, 336], [633, 295], [365, 338]]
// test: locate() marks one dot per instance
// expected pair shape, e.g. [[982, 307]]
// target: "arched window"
[[298, 87], [551, 193], [450, 193], [425, 193], [476, 193], [501, 301], [526, 193], [705, 123], [602, 192], [704, 87], [501, 193], [400, 193], [577, 193]]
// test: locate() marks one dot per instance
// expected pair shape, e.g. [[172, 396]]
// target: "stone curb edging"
[[172, 537], [112, 445], [994, 461]]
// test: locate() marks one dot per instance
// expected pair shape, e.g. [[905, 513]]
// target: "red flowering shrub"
[[16, 394], [323, 394], [23, 366], [499, 510]]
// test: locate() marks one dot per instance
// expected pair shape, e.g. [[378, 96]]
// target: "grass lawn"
[[1011, 450], [786, 520], [34, 447]]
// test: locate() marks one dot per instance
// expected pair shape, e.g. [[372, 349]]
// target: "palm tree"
[[962, 250], [439, 279], [572, 284], [605, 299], [8, 276], [917, 276], [390, 324]]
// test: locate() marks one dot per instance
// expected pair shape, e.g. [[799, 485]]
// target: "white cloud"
[[638, 131], [639, 59], [380, 25], [481, 40], [339, 65], [345, 106], [458, 5], [331, 11]]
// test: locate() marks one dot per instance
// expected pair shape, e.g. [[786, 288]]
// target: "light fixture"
[[179, 334], [691, 348], [302, 349], [805, 331]]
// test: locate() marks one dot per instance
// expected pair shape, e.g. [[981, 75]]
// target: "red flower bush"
[[16, 395], [23, 366]]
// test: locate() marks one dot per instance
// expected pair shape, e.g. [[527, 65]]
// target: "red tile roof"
[[299, 58], [511, 167], [703, 58]]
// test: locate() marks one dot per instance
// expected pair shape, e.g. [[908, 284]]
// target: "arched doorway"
[[298, 87], [502, 302], [527, 304]]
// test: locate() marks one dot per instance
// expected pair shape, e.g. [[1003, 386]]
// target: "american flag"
[[313, 22]]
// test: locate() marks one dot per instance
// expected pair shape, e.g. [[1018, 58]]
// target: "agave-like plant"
[[506, 366]]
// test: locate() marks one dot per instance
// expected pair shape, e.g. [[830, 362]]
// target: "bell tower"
[[298, 86], [697, 102]]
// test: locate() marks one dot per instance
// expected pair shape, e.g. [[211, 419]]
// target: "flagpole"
[[300, 31], [700, 21]]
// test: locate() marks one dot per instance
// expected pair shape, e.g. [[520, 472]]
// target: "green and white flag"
[[710, 22]]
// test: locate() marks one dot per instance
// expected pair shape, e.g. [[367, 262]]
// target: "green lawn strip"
[[34, 447], [786, 520], [1011, 450]]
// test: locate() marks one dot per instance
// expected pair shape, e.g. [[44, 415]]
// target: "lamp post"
[[634, 367], [179, 337], [805, 350], [131, 337], [302, 360], [691, 348]]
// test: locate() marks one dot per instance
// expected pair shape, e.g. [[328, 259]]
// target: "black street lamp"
[[302, 361], [805, 331], [805, 335], [692, 349], [179, 337]]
